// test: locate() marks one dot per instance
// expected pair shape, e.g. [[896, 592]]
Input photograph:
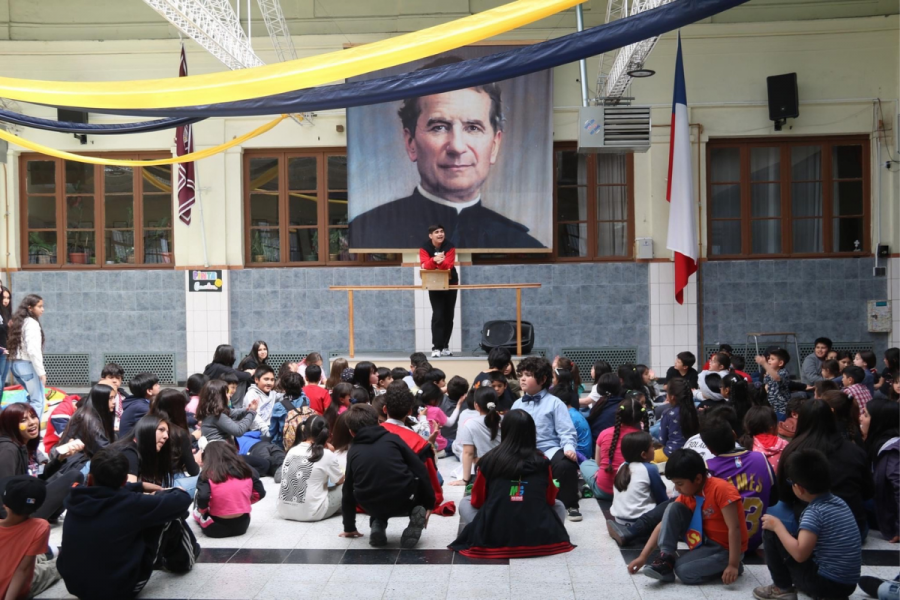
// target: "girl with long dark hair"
[[880, 425], [846, 413], [513, 511], [311, 477], [603, 413], [94, 420], [564, 388], [149, 453], [334, 377], [223, 362], [365, 376], [171, 405], [5, 315], [25, 344], [737, 393], [478, 435], [225, 490], [680, 422], [637, 488], [259, 354], [218, 421], [599, 473]]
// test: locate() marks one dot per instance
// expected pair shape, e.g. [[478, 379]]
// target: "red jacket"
[[423, 450], [428, 262]]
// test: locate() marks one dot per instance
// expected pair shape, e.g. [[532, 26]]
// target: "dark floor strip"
[[354, 556]]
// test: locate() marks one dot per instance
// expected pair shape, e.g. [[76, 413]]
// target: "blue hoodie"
[[133, 408]]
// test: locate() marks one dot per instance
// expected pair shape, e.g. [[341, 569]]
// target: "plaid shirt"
[[778, 391], [860, 393]]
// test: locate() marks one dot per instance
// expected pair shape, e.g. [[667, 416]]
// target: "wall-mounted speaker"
[[73, 116], [784, 98]]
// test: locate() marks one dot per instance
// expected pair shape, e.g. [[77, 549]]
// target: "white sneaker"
[[446, 352], [435, 354]]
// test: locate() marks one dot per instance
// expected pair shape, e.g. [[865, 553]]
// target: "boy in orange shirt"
[[25, 571], [709, 515]]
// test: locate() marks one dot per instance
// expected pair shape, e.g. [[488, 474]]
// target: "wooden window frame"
[[282, 155], [592, 186], [787, 219], [99, 228]]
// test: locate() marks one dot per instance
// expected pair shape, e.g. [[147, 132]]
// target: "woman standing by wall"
[[5, 314], [25, 344]]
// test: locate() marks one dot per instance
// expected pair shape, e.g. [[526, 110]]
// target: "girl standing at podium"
[[439, 254]]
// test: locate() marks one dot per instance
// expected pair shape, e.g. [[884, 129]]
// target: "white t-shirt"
[[303, 495], [475, 433], [697, 445]]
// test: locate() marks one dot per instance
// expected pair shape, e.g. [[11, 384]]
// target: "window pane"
[[572, 204], [264, 209], [806, 199], [41, 212], [846, 162], [302, 173], [119, 247], [40, 177], [573, 239], [337, 208], [807, 235], [157, 179], [611, 168], [383, 257], [303, 209], [848, 198], [848, 235], [119, 212], [806, 163], [571, 168], [726, 201], [264, 174], [264, 246], [79, 178], [725, 164], [338, 245], [157, 210], [337, 172], [80, 247], [726, 237], [612, 203], [118, 179], [304, 245], [765, 164], [765, 199], [611, 239], [158, 246], [80, 212], [766, 237], [42, 247]]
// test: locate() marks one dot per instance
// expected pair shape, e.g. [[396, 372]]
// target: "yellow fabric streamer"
[[297, 74], [93, 160]]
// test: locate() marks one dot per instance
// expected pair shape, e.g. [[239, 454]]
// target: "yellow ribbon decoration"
[[93, 160], [283, 77]]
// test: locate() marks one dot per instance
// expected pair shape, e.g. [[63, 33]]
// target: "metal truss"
[[278, 30]]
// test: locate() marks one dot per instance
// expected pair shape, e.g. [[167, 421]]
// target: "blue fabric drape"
[[8, 116]]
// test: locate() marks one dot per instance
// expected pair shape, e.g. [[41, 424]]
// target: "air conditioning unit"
[[614, 129]]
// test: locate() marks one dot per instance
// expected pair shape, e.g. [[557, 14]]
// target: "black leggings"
[[223, 528], [443, 305]]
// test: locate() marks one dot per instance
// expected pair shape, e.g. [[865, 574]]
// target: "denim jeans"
[[704, 563], [4, 372], [589, 470], [24, 373], [187, 483]]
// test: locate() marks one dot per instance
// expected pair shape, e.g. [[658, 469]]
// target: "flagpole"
[[197, 195]]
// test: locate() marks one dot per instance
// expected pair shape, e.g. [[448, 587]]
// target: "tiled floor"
[[280, 559]]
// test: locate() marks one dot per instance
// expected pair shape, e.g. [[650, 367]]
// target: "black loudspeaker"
[[73, 116], [784, 98], [497, 334]]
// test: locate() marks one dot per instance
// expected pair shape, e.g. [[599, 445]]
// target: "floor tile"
[[260, 556], [370, 557], [302, 556], [425, 557], [374, 574], [523, 590], [216, 555], [236, 581], [355, 590]]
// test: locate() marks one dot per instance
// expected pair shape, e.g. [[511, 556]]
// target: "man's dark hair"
[[718, 436], [417, 359], [435, 376], [823, 340], [420, 374], [409, 112], [435, 227], [112, 370], [725, 413], [292, 384], [142, 383], [265, 369], [685, 464], [109, 468], [398, 400], [398, 373], [687, 358], [313, 374], [360, 416], [808, 469], [498, 358], [857, 374], [539, 368], [457, 388]]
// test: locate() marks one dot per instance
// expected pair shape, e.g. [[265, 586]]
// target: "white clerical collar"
[[459, 206]]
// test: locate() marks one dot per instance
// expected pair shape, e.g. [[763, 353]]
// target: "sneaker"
[[620, 533], [572, 514], [662, 569], [870, 585], [586, 491], [773, 592], [446, 352], [435, 354], [378, 533], [410, 536]]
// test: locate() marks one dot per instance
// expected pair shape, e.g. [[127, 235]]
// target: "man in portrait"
[[454, 138]]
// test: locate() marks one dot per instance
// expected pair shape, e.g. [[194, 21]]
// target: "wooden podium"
[[435, 280]]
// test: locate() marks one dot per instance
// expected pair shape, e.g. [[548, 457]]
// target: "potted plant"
[[257, 250], [337, 244], [79, 248], [39, 251]]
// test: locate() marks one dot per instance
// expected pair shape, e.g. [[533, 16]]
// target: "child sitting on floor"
[[638, 486], [760, 434], [25, 571], [225, 490], [680, 422], [824, 559], [600, 472], [854, 387], [709, 514], [776, 379]]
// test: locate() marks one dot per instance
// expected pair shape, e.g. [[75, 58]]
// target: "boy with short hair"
[[416, 360], [709, 514], [400, 374], [776, 379], [825, 559], [144, 387], [319, 398], [505, 398], [810, 370], [25, 571], [684, 368], [853, 378], [261, 391], [385, 478], [556, 435], [456, 389]]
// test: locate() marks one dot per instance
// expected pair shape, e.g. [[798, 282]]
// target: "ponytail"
[[314, 428], [680, 389], [629, 412], [633, 447], [486, 400]]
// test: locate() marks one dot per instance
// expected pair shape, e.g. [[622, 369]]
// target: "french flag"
[[682, 238]]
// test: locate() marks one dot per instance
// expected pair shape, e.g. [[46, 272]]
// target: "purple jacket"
[[887, 488]]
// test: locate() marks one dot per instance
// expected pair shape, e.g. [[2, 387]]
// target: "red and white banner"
[[682, 238], [184, 144]]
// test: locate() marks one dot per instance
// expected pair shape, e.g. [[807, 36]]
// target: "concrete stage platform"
[[464, 365]]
